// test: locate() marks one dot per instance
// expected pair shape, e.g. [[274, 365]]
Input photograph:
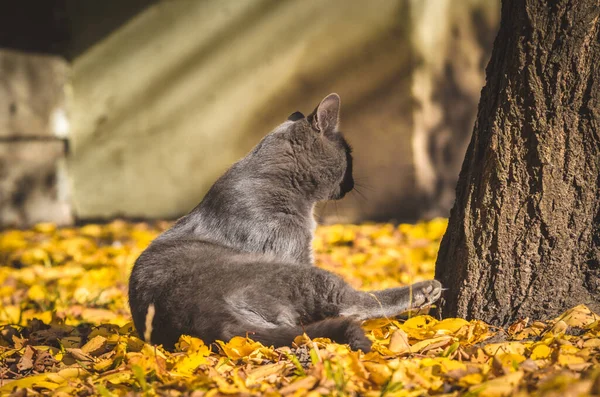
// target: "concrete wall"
[[170, 98]]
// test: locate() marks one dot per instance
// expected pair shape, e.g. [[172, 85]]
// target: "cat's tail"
[[340, 330]]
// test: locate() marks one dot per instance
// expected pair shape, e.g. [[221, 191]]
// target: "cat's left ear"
[[326, 116]]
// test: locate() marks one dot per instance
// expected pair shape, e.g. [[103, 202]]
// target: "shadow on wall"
[[373, 78], [63, 27]]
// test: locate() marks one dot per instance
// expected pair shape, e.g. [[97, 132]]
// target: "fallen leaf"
[[399, 342], [300, 385], [498, 387], [26, 361], [95, 346], [505, 347]]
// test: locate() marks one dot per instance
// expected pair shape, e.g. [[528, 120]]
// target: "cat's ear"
[[326, 117], [296, 116]]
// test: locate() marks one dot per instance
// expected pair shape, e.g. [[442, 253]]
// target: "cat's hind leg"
[[392, 301], [340, 330]]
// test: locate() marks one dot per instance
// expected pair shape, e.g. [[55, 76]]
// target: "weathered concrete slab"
[[33, 183], [33, 95], [167, 102]]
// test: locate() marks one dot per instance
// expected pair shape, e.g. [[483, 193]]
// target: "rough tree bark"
[[523, 238]]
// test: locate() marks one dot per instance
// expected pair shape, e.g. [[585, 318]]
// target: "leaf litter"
[[65, 328]]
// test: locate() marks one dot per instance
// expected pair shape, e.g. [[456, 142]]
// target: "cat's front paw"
[[425, 293]]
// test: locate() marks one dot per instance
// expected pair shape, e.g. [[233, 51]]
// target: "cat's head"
[[312, 152]]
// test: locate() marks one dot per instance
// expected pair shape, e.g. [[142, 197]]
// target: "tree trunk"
[[523, 238]]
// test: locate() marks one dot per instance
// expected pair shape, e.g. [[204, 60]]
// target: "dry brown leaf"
[[95, 346], [26, 361], [302, 384], [399, 342]]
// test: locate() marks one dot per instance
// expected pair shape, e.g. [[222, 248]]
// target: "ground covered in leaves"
[[65, 328]]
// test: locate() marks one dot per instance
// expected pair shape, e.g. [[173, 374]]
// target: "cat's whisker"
[[360, 200], [359, 183], [359, 194], [323, 213]]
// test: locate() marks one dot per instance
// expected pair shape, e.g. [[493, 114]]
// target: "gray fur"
[[241, 262]]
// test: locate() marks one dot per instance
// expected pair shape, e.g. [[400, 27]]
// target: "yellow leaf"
[[508, 361], [565, 359], [568, 349], [471, 379], [12, 240], [35, 256], [399, 342], [38, 381], [189, 343], [45, 316], [10, 314], [370, 325], [418, 327], [187, 364], [540, 351], [95, 346], [579, 316], [432, 343], [91, 230], [257, 375], [499, 387], [505, 347], [239, 347], [443, 364], [300, 385], [450, 325], [594, 342], [46, 228], [66, 373], [235, 387], [378, 373], [36, 292], [559, 328], [102, 365], [436, 228], [118, 378]]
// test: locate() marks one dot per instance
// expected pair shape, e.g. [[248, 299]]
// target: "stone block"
[[33, 95], [33, 183]]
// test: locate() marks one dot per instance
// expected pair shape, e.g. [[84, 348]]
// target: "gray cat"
[[241, 262]]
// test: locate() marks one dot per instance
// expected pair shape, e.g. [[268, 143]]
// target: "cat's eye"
[[296, 116]]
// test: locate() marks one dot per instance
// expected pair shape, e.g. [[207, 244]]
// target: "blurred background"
[[134, 108]]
